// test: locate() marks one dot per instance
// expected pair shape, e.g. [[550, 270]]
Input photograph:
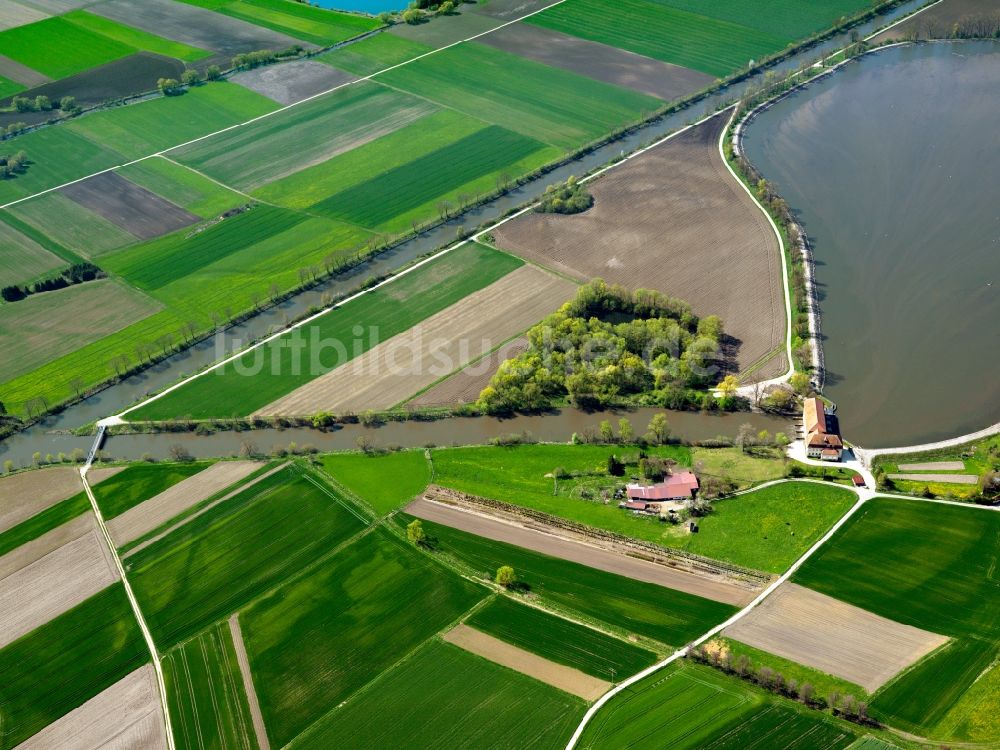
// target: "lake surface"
[[364, 6], [893, 167]]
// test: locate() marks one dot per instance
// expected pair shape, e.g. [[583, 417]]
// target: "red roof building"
[[679, 486]]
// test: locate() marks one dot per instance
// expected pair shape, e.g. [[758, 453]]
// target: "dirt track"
[[583, 554], [151, 513], [466, 385], [675, 220], [565, 678], [598, 61], [391, 371], [840, 639], [125, 716], [244, 661]]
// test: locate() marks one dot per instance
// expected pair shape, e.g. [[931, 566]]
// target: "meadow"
[[560, 640], [319, 638], [316, 25], [62, 664], [303, 135], [261, 376], [222, 559], [139, 482], [182, 186], [373, 54], [668, 616], [554, 106], [383, 480], [446, 697], [722, 714], [208, 704], [40, 523]]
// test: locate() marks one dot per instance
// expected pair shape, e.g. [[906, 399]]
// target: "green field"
[[447, 697], [788, 18], [745, 469], [221, 560], [766, 530], [135, 38], [374, 54], [551, 105], [79, 228], [318, 639], [66, 662], [686, 706], [385, 481], [9, 87], [975, 717], [39, 237], [301, 136], [40, 523], [561, 640], [22, 258], [183, 187], [668, 616], [139, 482], [316, 25], [208, 704], [247, 385], [931, 566]]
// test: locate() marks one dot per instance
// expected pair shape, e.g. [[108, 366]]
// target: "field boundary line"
[[863, 497], [285, 108], [136, 610], [243, 661]]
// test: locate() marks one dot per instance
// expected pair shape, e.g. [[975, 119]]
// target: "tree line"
[[75, 274]]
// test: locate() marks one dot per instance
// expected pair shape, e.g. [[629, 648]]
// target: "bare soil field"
[[36, 549], [600, 61], [244, 661], [125, 716], [47, 587], [837, 638], [195, 26], [675, 220], [55, 7], [564, 678], [943, 478], [31, 334], [13, 13], [135, 209], [939, 19], [466, 384], [507, 10], [30, 492], [934, 466], [292, 81], [124, 77], [156, 511], [24, 75], [446, 30], [390, 372], [581, 553]]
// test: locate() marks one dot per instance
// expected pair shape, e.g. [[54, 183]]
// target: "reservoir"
[[373, 7], [909, 290]]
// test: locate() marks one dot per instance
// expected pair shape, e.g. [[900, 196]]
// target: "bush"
[[568, 198]]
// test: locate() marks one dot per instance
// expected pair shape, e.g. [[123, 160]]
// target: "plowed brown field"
[[675, 220], [466, 384]]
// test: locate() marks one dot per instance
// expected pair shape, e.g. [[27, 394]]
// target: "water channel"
[[893, 167], [49, 435]]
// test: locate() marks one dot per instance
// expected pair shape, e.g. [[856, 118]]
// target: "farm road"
[[244, 661]]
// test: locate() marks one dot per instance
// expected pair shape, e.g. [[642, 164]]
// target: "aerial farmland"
[[499, 374]]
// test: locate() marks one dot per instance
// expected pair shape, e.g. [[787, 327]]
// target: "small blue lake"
[[365, 6]]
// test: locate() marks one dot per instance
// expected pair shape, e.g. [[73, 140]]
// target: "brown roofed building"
[[821, 441]]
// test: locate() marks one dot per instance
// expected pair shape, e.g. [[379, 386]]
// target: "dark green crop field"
[[254, 381], [561, 640], [315, 641], [447, 697], [43, 522], [66, 662], [669, 616], [139, 482], [219, 561]]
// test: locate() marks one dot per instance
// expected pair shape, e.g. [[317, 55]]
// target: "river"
[[893, 167], [48, 437]]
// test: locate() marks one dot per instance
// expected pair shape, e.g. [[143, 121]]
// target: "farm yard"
[[673, 219]]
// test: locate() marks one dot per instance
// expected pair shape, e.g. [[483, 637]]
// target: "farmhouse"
[[650, 497], [822, 440]]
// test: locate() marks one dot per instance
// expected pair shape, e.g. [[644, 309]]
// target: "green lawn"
[[221, 560], [687, 706], [668, 616], [561, 640], [66, 662], [247, 385], [385, 481], [374, 54], [551, 105], [302, 136], [139, 482], [743, 468], [447, 697], [136, 38], [316, 25], [208, 704], [48, 519], [315, 641], [183, 187]]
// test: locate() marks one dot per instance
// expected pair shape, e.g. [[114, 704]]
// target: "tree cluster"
[[249, 60], [13, 165], [75, 274], [42, 103], [609, 345], [569, 198]]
